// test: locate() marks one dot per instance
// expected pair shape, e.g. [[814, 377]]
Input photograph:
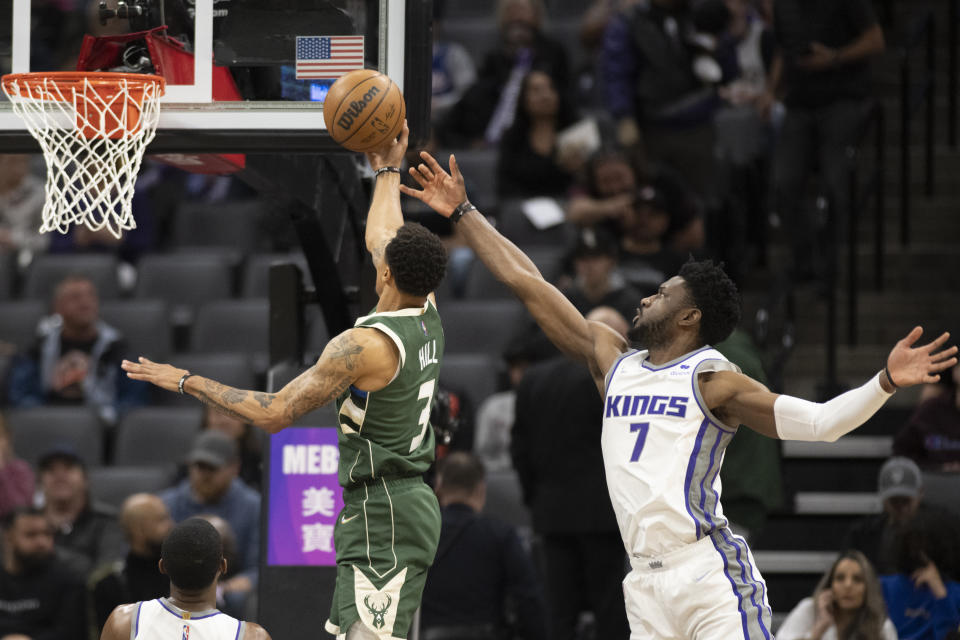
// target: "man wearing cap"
[[900, 489], [645, 259], [213, 487], [598, 283], [80, 524]]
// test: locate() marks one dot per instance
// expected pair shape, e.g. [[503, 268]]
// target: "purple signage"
[[305, 499]]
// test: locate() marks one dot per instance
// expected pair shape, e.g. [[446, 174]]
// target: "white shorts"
[[708, 590]]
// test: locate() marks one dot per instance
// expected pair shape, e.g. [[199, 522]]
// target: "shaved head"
[[610, 317], [146, 522]]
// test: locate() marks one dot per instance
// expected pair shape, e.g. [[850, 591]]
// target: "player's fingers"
[[415, 193], [944, 355], [912, 337], [944, 364], [416, 176], [425, 170], [455, 168], [936, 344], [404, 133], [432, 162]]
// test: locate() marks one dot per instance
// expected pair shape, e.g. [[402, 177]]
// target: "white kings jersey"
[[160, 620], [662, 451]]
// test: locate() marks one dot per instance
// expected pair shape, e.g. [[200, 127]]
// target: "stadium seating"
[[156, 436], [40, 429]]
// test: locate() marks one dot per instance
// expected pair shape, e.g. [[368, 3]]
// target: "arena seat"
[[473, 374], [184, 281], [505, 499], [153, 436], [256, 272], [234, 224], [18, 321], [483, 285], [144, 325], [113, 485], [37, 430], [47, 270], [232, 325], [480, 326]]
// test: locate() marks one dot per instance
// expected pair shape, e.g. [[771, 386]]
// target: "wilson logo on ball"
[[356, 108]]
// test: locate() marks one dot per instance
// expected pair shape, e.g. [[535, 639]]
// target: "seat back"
[[36, 431], [156, 436]]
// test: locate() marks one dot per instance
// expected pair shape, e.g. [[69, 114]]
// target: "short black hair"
[[713, 292], [10, 519], [417, 259], [461, 471], [191, 554]]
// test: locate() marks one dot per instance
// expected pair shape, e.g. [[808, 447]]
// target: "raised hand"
[[441, 191], [908, 365], [391, 152], [164, 376]]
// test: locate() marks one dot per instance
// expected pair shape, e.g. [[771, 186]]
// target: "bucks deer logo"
[[376, 611]]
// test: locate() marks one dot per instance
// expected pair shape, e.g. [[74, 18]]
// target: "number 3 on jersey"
[[426, 393], [641, 428]]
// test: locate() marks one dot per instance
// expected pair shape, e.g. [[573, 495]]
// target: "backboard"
[[249, 78]]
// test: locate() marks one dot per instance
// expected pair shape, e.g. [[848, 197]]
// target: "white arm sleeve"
[[811, 421]]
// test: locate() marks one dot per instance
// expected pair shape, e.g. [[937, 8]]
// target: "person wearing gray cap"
[[213, 487], [900, 490]]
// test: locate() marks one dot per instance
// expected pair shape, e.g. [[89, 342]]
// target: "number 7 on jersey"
[[641, 428]]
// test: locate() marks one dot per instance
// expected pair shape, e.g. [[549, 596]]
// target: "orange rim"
[[104, 83]]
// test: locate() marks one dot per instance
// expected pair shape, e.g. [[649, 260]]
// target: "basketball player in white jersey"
[[669, 412], [192, 556]]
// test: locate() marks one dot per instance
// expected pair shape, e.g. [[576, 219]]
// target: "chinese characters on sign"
[[305, 498]]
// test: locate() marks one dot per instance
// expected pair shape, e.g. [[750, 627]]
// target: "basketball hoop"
[[93, 128]]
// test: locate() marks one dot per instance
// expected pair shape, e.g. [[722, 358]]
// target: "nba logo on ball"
[[363, 109]]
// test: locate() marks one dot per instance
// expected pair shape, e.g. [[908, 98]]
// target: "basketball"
[[363, 109]]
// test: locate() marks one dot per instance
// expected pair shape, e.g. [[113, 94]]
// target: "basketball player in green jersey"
[[382, 374]]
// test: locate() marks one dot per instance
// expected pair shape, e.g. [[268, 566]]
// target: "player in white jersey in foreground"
[[192, 556], [669, 412]]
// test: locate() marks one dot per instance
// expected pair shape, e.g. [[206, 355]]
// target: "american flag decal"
[[328, 56]]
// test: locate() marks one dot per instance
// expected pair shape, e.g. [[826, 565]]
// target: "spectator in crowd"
[[16, 476], [76, 358], [480, 566], [40, 598], [249, 443], [213, 487], [660, 104], [931, 437], [847, 603], [80, 524], [453, 70], [923, 596], [21, 204], [556, 452], [487, 109], [824, 51], [597, 282], [529, 163], [645, 259], [192, 557], [900, 489], [146, 522], [606, 198], [496, 413]]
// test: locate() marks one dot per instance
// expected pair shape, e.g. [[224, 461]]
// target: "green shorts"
[[386, 538]]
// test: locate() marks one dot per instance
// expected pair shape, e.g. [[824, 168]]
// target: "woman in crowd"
[[846, 605]]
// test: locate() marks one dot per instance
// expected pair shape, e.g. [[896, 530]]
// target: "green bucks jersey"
[[387, 433]]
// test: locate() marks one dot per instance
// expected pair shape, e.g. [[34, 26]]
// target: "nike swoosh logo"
[[344, 519], [702, 577]]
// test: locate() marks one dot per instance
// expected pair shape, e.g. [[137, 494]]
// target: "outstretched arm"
[[737, 399], [596, 346], [385, 216], [365, 357]]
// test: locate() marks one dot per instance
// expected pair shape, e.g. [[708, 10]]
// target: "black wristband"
[[183, 379], [386, 170], [464, 207], [886, 371]]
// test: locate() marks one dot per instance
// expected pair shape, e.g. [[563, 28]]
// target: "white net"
[[93, 131]]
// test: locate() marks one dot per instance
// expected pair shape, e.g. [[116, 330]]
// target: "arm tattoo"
[[346, 349], [220, 397], [265, 399], [308, 397]]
